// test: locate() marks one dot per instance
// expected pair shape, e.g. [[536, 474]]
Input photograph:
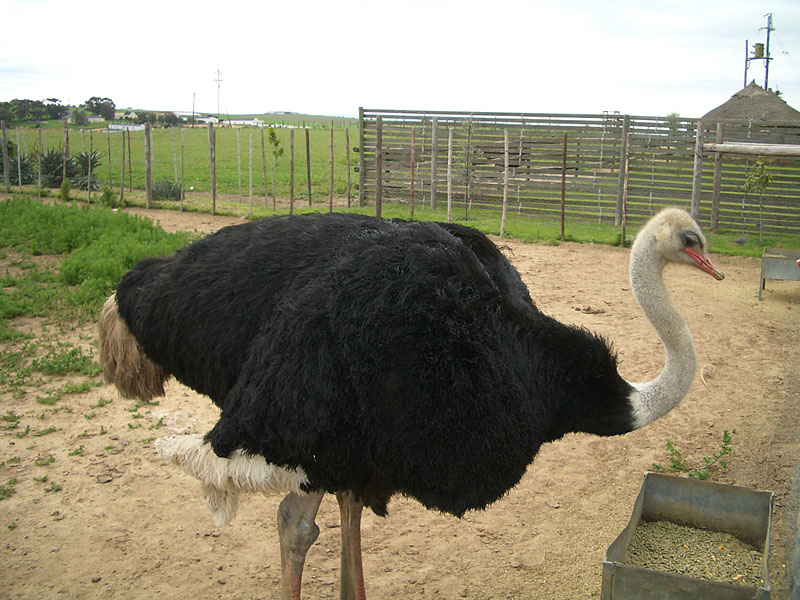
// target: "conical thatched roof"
[[753, 103]]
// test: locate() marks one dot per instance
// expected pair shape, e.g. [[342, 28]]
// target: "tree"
[[169, 119], [104, 107], [756, 181], [55, 110], [79, 117], [5, 112], [277, 152]]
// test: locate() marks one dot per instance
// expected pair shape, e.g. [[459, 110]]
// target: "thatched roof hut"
[[753, 103]]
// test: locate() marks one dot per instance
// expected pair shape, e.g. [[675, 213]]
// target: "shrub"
[[164, 189], [110, 198], [52, 168], [25, 166], [65, 188], [82, 160]]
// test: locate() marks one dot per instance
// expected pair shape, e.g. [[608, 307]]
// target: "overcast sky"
[[330, 57]]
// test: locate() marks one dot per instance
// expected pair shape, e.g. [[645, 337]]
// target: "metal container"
[[742, 512]]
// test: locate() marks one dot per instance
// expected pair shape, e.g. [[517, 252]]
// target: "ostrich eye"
[[690, 239]]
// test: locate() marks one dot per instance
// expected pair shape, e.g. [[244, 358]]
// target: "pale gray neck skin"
[[653, 399]]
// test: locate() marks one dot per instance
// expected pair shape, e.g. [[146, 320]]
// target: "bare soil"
[[124, 525]]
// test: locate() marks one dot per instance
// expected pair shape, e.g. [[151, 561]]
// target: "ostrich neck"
[[652, 399]]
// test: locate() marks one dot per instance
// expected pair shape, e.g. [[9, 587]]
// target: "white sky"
[[330, 57]]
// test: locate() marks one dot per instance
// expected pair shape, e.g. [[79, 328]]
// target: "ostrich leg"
[[297, 531], [352, 584]]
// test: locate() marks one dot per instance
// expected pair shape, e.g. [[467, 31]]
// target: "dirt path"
[[124, 525]]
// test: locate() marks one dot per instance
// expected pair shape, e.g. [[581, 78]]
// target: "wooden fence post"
[[449, 174], [213, 160], [174, 155], [330, 181], [89, 175], [717, 180], [239, 161], [308, 165], [66, 151], [122, 177], [264, 165], [626, 123], [347, 159], [147, 166], [291, 171], [625, 173], [108, 139], [563, 182], [39, 167], [19, 163], [505, 183], [434, 151], [183, 187], [697, 174], [6, 176], [130, 164], [251, 170], [379, 167], [413, 159], [361, 160]]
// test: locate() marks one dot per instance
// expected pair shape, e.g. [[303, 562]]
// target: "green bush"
[[164, 189], [52, 168], [110, 198], [26, 167], [82, 160], [65, 188]]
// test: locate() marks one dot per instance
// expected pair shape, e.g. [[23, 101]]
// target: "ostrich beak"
[[705, 264]]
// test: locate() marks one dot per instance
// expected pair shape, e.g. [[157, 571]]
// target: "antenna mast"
[[759, 53]]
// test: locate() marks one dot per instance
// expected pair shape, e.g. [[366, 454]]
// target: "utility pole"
[[218, 80], [767, 58], [759, 53]]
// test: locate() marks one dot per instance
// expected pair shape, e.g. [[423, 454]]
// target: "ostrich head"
[[673, 236]]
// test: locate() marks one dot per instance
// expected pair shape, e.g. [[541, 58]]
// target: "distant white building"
[[254, 122], [208, 119], [125, 127]]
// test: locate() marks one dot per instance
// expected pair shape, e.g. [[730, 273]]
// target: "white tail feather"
[[223, 479]]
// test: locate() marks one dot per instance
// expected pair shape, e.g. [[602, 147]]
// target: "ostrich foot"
[[297, 531]]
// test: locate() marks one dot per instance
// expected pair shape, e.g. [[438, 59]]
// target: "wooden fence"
[[661, 163], [237, 162]]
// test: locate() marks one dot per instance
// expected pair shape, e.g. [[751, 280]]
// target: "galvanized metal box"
[[742, 512]]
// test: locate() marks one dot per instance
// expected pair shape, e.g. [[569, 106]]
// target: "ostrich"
[[366, 357]]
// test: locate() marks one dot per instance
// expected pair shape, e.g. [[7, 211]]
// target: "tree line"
[[22, 110]]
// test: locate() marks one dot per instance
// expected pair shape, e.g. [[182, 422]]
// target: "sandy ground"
[[124, 525]]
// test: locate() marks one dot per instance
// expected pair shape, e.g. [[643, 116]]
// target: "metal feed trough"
[[742, 512], [779, 263]]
